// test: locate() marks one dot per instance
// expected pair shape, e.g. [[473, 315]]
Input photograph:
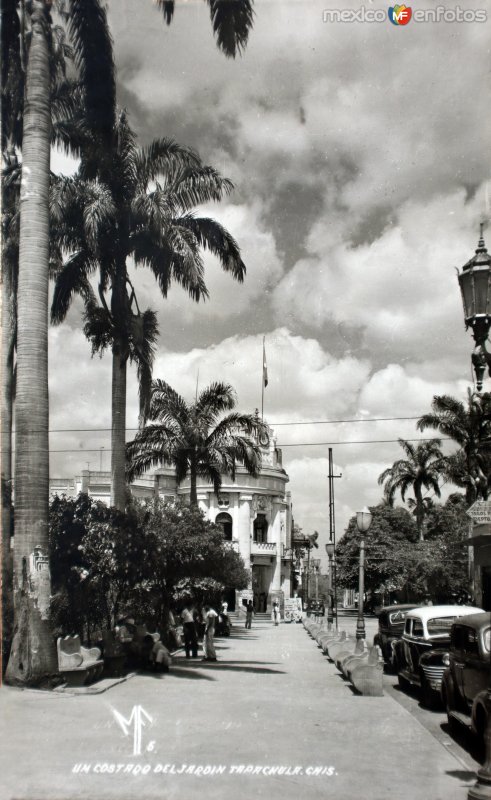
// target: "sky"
[[360, 158]]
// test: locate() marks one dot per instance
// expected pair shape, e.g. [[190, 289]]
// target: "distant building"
[[254, 513]]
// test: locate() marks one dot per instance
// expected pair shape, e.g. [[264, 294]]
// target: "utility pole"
[[332, 539]]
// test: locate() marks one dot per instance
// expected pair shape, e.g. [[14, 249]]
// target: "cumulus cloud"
[[358, 156], [400, 289], [227, 297]]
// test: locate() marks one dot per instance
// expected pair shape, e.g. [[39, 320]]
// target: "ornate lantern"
[[475, 286]]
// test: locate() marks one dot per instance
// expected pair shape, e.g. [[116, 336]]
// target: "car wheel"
[[429, 697], [403, 682], [480, 727]]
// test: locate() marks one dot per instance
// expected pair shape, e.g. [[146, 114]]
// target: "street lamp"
[[475, 286], [332, 610], [363, 521]]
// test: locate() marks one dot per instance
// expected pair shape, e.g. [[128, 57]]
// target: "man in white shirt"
[[209, 647]]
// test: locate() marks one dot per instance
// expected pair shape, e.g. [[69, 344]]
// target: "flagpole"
[[262, 385]]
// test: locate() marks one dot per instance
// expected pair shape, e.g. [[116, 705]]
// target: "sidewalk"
[[271, 719]]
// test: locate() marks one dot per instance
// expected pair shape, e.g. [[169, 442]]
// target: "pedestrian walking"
[[208, 645], [190, 632], [249, 613], [275, 613]]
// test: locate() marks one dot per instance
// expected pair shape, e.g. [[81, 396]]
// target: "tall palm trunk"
[[33, 653], [6, 379], [193, 494], [420, 512], [118, 401], [118, 427]]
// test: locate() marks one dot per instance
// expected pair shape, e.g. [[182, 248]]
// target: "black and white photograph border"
[[245, 376]]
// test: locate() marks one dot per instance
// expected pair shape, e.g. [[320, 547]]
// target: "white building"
[[255, 514]]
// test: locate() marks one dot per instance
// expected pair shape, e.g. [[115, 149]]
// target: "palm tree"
[[469, 427], [421, 470], [93, 54], [194, 439], [134, 202], [89, 34], [64, 95]]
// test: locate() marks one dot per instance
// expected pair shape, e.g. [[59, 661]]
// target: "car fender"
[[481, 705], [398, 650], [448, 689], [433, 657]]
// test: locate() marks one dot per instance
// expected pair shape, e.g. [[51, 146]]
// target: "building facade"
[[254, 513], [480, 565]]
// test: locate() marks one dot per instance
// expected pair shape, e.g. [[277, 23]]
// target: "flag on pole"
[[265, 368]]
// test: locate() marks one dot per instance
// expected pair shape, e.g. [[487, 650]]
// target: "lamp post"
[[332, 611], [363, 521], [475, 286]]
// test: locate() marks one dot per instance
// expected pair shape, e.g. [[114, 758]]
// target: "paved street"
[[272, 718]]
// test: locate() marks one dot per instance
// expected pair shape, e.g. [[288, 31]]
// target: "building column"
[[244, 536]]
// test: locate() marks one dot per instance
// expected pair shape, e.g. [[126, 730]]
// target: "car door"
[[476, 668], [413, 636], [457, 644], [419, 645]]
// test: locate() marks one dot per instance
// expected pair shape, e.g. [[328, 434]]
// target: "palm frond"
[[173, 258], [214, 237], [232, 21], [167, 7], [72, 280], [152, 446], [196, 186], [216, 398], [163, 157], [166, 405], [89, 33], [98, 328], [144, 335], [99, 212]]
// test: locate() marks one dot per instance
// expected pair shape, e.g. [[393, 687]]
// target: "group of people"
[[275, 613], [192, 620], [194, 625]]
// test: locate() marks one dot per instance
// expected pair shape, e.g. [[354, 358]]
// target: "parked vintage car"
[[467, 677], [390, 628], [315, 608], [424, 643]]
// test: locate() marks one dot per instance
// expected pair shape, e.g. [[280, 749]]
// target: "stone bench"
[[346, 662], [367, 675], [78, 665], [352, 647], [335, 647]]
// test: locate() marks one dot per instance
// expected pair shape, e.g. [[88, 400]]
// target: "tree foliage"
[[469, 426], [106, 563], [195, 437], [390, 538], [396, 561], [421, 469]]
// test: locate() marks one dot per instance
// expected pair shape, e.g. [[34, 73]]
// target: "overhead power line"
[[273, 424], [282, 444]]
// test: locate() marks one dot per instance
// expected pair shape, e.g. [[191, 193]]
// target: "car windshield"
[[398, 617], [440, 626]]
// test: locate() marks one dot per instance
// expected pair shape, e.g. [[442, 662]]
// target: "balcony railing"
[[263, 548]]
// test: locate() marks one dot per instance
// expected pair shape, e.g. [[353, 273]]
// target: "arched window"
[[261, 529], [225, 520]]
